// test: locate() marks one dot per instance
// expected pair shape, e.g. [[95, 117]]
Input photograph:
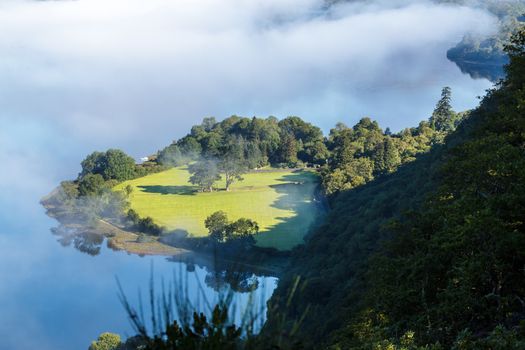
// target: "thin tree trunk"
[[228, 182]]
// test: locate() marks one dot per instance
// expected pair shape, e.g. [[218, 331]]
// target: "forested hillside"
[[430, 256], [424, 245], [347, 157]]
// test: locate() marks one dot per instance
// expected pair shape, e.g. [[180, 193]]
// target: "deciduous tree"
[[204, 173]]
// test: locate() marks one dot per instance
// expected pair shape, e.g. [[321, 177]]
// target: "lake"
[[60, 298]]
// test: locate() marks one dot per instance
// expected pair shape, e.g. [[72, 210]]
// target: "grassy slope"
[[283, 208]]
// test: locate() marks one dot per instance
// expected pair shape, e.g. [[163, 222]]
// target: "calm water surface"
[[54, 297]]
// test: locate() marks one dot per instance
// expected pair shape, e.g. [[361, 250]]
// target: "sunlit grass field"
[[281, 201]]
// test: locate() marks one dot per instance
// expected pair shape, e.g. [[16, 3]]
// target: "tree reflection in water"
[[85, 241], [238, 281]]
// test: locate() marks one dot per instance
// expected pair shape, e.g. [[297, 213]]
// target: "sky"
[[77, 76]]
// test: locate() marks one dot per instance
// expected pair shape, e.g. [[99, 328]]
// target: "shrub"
[[106, 341]]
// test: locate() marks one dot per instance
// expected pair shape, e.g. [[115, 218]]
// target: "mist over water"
[[58, 298], [78, 76], [113, 72]]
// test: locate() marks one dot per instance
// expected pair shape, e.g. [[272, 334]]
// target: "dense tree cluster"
[[430, 256], [228, 149], [223, 231], [364, 152], [91, 197], [144, 225], [113, 164], [257, 142], [348, 157]]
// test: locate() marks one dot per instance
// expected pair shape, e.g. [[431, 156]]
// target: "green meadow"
[[281, 201]]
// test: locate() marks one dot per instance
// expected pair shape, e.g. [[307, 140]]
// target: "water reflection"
[[86, 242], [238, 281], [493, 71]]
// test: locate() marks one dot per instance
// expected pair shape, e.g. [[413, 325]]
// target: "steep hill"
[[432, 254]]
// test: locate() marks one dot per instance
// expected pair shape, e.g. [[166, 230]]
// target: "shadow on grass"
[[178, 190], [298, 194]]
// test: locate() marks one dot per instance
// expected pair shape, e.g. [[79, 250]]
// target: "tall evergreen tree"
[[443, 116], [288, 148], [386, 157]]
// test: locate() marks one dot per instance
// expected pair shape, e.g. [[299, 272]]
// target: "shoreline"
[[120, 239]]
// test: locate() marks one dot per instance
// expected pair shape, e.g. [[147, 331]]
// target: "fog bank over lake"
[[136, 74]]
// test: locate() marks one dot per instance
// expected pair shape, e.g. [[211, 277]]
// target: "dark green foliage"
[[232, 162], [171, 156], [254, 157], [149, 167], [300, 129], [143, 225], [92, 164], [173, 323], [215, 333], [91, 184], [355, 172], [239, 144], [111, 165], [216, 224], [118, 166], [241, 233], [443, 118], [190, 147], [287, 152], [300, 140], [221, 230], [242, 228], [254, 142], [430, 256], [315, 153], [386, 157], [208, 123], [458, 261], [364, 152]]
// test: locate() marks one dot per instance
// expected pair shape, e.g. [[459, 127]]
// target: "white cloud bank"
[[137, 73]]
